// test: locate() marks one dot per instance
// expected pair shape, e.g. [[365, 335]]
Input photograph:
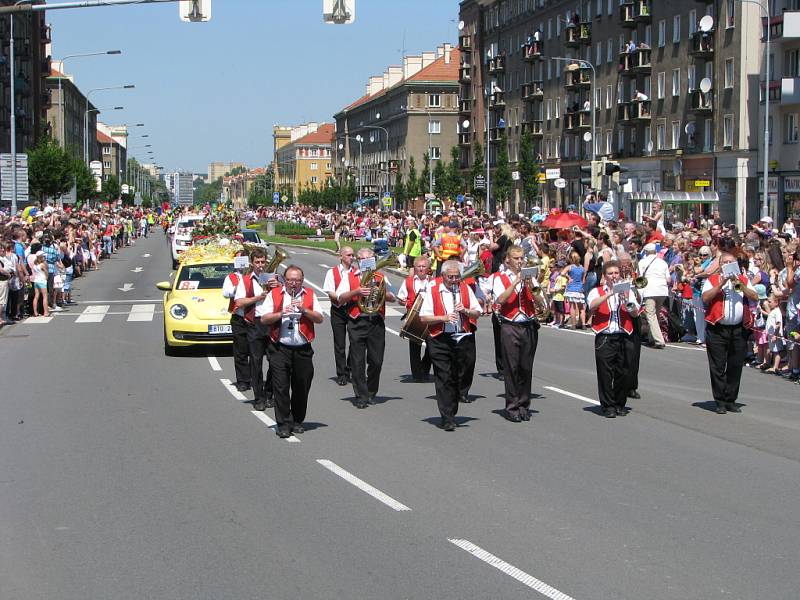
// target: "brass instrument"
[[640, 282], [372, 304], [540, 299], [476, 269], [738, 287], [277, 258]]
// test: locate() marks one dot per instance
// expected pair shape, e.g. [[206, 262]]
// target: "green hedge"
[[287, 228]]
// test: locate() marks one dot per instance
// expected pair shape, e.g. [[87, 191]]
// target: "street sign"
[[552, 173], [540, 178], [125, 188], [460, 198], [560, 183], [285, 198], [137, 199], [702, 183], [387, 195], [6, 183], [387, 201], [515, 175], [480, 182], [276, 197]]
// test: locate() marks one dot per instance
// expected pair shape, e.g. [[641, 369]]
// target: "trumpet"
[[372, 304]]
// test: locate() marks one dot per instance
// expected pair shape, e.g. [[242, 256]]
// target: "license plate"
[[219, 329]]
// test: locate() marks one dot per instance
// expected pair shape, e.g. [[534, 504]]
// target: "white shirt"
[[657, 272], [498, 287], [257, 289], [229, 291], [329, 285], [449, 300], [290, 329], [614, 325], [732, 303], [419, 285]]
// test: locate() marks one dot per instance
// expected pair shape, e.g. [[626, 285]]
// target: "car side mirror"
[[164, 286]]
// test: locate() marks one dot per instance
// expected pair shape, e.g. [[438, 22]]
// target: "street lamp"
[[358, 139], [61, 102], [386, 131], [13, 107], [430, 153], [582, 62], [86, 116]]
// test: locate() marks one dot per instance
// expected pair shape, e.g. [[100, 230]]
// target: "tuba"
[[540, 299], [475, 270], [277, 258], [372, 304]]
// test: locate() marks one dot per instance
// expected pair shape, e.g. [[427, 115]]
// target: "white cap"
[[498, 222], [766, 220], [650, 248]]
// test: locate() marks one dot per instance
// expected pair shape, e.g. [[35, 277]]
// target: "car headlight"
[[178, 311]]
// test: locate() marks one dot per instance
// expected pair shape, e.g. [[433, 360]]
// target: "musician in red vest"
[[407, 294], [291, 312], [451, 310], [241, 346], [367, 333], [728, 320], [519, 333], [339, 315], [252, 289], [612, 317]]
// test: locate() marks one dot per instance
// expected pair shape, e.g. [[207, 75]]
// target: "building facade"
[[304, 162], [220, 169], [666, 88], [66, 112], [409, 111]]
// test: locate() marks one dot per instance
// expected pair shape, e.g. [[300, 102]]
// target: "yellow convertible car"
[[195, 312]]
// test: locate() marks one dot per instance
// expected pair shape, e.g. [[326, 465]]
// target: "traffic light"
[[595, 172], [613, 170]]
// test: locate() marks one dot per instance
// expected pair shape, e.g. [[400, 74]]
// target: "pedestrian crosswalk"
[[99, 313]]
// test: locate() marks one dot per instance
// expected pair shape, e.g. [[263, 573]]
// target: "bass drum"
[[414, 330]]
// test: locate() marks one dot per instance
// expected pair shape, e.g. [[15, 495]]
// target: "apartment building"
[[637, 81], [408, 111], [112, 155], [304, 162], [220, 169], [66, 110]]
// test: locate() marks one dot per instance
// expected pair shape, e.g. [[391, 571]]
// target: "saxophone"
[[372, 304]]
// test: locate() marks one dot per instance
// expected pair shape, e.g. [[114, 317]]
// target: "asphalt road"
[[127, 474]]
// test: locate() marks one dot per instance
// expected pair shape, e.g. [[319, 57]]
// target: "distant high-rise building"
[[220, 169], [183, 188]]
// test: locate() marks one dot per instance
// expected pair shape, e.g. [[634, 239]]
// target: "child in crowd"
[[558, 283], [774, 330]]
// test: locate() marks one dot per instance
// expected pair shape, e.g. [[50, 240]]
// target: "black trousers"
[[292, 370], [453, 370], [519, 342], [420, 359], [367, 343], [726, 346], [634, 354], [259, 343], [241, 349], [498, 346], [339, 319], [611, 354]]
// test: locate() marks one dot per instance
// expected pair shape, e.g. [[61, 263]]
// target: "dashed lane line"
[[257, 413], [571, 395], [510, 570], [215, 366], [363, 485]]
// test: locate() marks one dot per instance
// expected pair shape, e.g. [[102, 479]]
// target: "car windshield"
[[203, 277], [250, 236]]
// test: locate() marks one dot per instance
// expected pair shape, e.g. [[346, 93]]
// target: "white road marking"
[[316, 287], [118, 301], [511, 570], [215, 366], [142, 312], [390, 330], [273, 425], [126, 287], [137, 270], [323, 265], [234, 392], [571, 395], [362, 485], [37, 320], [93, 314], [145, 256]]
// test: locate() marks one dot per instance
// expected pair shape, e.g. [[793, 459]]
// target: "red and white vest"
[[250, 311], [234, 277], [516, 303], [467, 323], [337, 278], [411, 293], [306, 325], [602, 317], [355, 283], [714, 309]]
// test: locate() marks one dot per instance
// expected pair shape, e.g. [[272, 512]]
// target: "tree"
[[440, 187], [502, 173], [236, 171], [478, 168], [455, 184], [425, 179], [412, 187], [85, 182], [528, 169], [49, 170], [399, 190], [110, 188]]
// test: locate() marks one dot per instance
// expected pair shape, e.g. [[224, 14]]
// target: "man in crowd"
[[291, 311], [339, 317], [413, 285], [656, 292]]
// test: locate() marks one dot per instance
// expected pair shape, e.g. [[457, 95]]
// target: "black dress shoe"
[[259, 405], [342, 380], [525, 415], [371, 399], [466, 399], [449, 426], [621, 411], [242, 387], [609, 413], [513, 418], [283, 432], [360, 403], [720, 410], [270, 403], [298, 428], [733, 408], [634, 394]]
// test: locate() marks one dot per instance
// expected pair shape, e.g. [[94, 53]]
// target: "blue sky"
[[212, 91]]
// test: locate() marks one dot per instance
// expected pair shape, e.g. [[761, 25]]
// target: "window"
[[314, 179], [729, 73], [434, 127], [610, 7], [610, 50], [436, 153], [730, 13], [314, 166], [609, 140], [599, 8], [662, 33], [791, 63], [727, 131], [609, 96], [676, 82], [660, 134], [792, 120], [676, 29], [620, 139], [676, 135], [660, 84], [434, 100], [550, 69], [691, 77], [771, 129], [328, 166], [549, 108], [648, 35], [692, 22], [708, 136], [549, 28], [558, 147], [558, 109], [106, 150], [599, 58], [106, 164]]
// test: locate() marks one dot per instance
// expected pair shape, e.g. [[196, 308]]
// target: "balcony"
[[585, 33], [497, 65], [46, 34], [465, 43], [532, 92], [635, 63], [47, 99], [465, 138], [571, 34], [46, 66], [774, 90], [626, 14], [775, 27], [577, 77], [700, 103], [701, 44], [640, 111], [790, 91], [465, 73], [624, 112], [533, 126], [496, 134], [465, 106], [532, 51], [498, 101]]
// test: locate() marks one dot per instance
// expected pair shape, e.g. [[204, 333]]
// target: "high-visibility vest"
[[451, 245], [413, 248]]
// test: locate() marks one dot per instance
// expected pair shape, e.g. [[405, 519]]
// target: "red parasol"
[[565, 220]]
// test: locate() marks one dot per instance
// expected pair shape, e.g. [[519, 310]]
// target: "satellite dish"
[[650, 146], [587, 137], [689, 129], [377, 116], [465, 124], [461, 25], [705, 85], [706, 23]]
